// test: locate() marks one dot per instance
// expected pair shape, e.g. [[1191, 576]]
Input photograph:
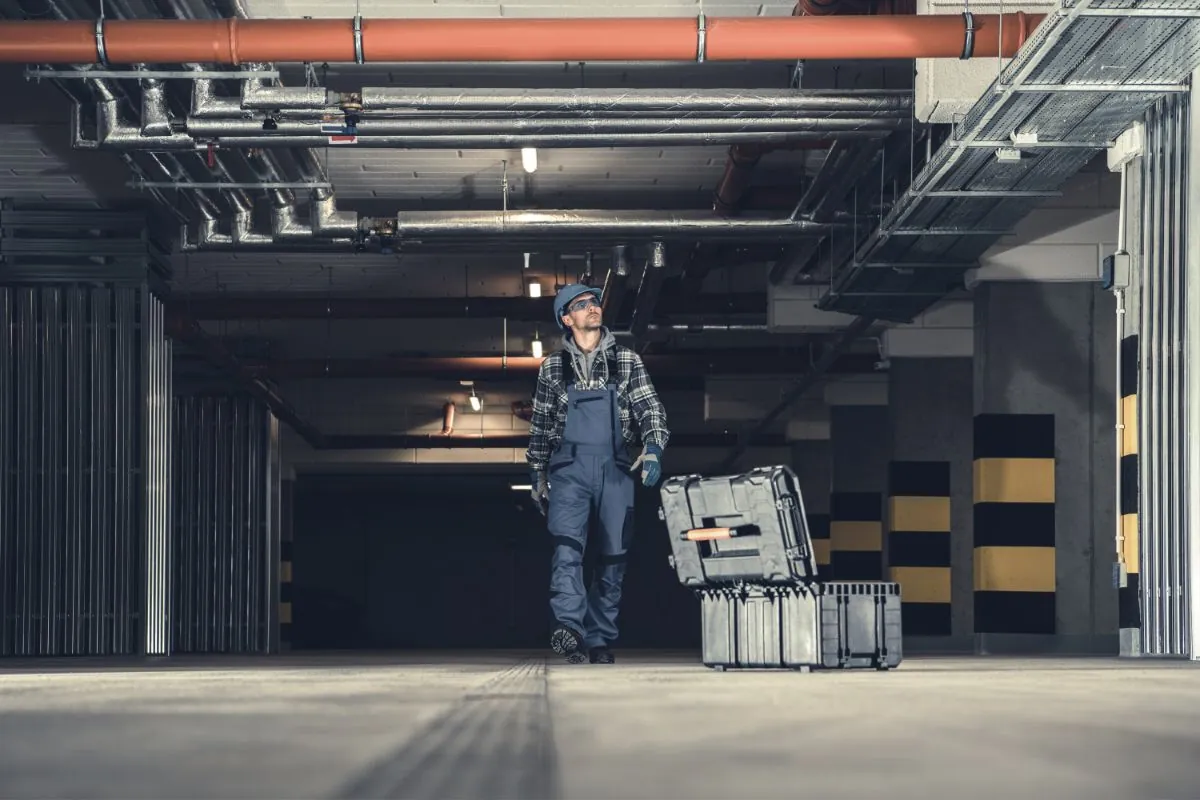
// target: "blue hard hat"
[[567, 295]]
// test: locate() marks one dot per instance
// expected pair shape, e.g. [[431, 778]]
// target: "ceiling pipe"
[[523, 309], [219, 129], [183, 141], [347, 41], [590, 225], [768, 361], [297, 102]]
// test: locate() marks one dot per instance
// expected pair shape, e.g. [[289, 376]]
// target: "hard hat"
[[567, 295]]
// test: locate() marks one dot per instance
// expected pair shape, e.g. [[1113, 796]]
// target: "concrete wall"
[[1050, 349]]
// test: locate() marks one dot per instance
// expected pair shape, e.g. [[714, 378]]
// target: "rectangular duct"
[[1162, 400], [83, 448], [226, 525]]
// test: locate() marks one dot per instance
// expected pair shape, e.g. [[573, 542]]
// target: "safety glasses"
[[585, 303]]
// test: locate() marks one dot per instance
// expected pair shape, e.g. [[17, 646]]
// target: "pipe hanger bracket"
[[701, 38], [101, 50], [358, 40]]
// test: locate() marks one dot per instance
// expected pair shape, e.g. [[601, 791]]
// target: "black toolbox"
[[742, 544]]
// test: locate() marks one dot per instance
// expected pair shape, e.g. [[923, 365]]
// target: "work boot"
[[602, 655], [568, 643]]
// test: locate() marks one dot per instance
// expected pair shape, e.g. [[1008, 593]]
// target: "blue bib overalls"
[[589, 471]]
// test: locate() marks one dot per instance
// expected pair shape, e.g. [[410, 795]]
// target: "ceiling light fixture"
[[535, 288], [529, 159], [537, 345], [527, 261], [476, 403]]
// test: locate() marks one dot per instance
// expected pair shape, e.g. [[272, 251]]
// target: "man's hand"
[[649, 462], [540, 491]]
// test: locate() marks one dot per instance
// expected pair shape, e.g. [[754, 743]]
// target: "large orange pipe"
[[238, 41]]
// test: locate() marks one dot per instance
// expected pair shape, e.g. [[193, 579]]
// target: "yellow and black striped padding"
[[1014, 523], [818, 531], [1129, 598], [856, 536], [919, 543], [285, 595]]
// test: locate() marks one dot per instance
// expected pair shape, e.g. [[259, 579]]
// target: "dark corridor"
[[452, 561]]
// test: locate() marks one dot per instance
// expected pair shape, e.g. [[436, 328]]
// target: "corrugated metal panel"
[[225, 525], [157, 372], [37, 163], [75, 532], [1163, 400]]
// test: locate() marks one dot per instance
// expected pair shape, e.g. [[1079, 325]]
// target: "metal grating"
[[1073, 50], [225, 525], [82, 570]]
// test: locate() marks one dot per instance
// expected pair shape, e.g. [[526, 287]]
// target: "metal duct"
[[341, 41], [256, 95], [664, 101], [495, 141], [592, 224], [85, 447], [530, 309], [325, 221], [1162, 399], [368, 128], [225, 530]]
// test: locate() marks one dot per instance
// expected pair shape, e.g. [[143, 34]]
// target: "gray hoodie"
[[586, 362]]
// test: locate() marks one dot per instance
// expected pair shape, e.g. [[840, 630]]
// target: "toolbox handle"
[[713, 534]]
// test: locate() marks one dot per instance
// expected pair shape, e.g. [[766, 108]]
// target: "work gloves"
[[540, 491], [650, 464]]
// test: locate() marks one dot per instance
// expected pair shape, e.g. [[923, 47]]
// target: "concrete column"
[[1045, 463], [812, 461], [930, 486], [860, 443]]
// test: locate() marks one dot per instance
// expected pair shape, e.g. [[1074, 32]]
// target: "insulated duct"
[[219, 129], [314, 102], [595, 226], [358, 40]]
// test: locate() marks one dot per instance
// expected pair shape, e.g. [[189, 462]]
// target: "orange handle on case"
[[708, 534]]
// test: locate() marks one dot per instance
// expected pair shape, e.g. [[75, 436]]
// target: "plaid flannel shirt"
[[642, 414]]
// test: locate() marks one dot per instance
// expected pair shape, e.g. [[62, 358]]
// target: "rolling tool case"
[[742, 544]]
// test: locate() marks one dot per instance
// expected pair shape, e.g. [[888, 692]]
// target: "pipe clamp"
[[358, 39], [101, 50], [701, 38]]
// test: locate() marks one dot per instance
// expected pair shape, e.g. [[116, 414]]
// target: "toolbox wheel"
[[802, 670], [717, 667]]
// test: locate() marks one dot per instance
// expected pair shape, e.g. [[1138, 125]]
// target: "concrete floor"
[[654, 726]]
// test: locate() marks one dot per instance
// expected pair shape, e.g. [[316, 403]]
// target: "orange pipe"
[[238, 41]]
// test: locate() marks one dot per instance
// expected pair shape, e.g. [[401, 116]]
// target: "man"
[[594, 401]]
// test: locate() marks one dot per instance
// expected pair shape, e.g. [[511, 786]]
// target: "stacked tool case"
[[742, 544]]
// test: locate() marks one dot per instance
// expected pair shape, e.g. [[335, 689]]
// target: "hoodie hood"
[[586, 363]]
